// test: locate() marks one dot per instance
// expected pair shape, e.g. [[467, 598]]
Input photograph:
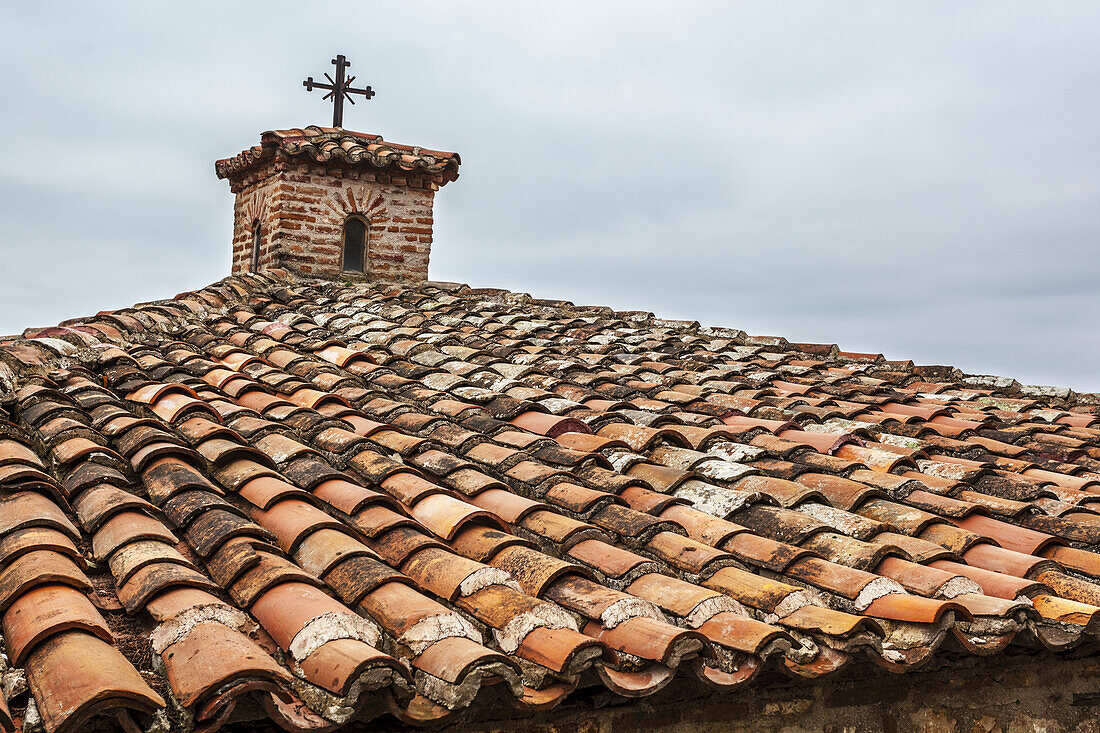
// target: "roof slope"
[[324, 502]]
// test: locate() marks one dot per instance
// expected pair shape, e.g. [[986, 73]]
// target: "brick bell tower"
[[329, 202]]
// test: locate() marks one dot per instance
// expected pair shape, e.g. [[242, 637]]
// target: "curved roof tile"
[[340, 146]]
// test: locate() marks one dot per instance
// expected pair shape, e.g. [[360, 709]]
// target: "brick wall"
[[302, 207]]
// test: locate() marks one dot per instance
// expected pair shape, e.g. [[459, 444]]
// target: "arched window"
[[355, 245], [255, 245]]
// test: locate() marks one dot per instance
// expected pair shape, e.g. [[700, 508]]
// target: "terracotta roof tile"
[[323, 144], [362, 471]]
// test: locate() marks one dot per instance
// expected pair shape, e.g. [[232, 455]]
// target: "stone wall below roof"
[[302, 207], [1021, 692]]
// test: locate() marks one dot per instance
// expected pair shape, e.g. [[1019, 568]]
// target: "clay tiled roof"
[[336, 145], [326, 503]]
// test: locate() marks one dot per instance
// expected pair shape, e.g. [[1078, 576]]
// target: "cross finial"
[[339, 89]]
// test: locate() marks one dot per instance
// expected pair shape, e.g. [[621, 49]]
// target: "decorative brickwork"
[[294, 200]]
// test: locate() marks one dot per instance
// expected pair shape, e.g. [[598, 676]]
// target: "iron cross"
[[339, 88]]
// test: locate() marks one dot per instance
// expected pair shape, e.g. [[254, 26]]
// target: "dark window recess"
[[355, 245], [256, 246]]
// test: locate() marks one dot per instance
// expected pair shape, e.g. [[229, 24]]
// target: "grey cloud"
[[913, 179]]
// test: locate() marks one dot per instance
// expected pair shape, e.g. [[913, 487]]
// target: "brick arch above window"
[[364, 201], [252, 209]]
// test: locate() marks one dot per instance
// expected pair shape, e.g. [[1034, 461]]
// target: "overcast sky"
[[916, 179]]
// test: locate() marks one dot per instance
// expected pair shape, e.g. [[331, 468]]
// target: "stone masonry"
[[1024, 692]]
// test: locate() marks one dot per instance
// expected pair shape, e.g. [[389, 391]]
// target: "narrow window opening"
[[355, 245], [255, 245]]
